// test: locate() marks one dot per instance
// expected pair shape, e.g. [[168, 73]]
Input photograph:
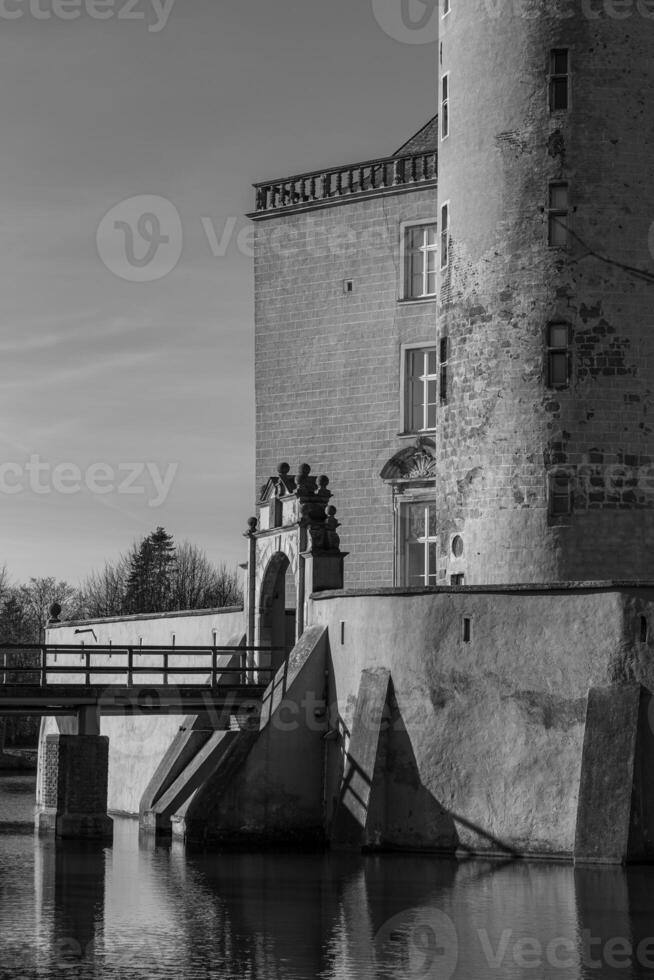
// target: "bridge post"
[[75, 788], [88, 720]]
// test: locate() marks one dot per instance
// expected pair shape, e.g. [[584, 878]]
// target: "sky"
[[129, 145]]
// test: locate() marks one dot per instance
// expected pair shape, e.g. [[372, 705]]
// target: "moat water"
[[135, 910]]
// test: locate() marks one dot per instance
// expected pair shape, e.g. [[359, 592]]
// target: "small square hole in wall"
[[348, 286], [466, 631]]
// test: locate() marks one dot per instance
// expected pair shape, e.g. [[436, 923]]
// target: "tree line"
[[155, 575]]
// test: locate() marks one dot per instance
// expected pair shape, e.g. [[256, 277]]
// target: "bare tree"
[[102, 593], [24, 612], [228, 591], [36, 598], [199, 584], [194, 583]]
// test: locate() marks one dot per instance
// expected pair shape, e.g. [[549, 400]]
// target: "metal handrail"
[[47, 669], [114, 648]]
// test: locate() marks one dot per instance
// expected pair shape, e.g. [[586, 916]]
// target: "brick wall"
[[76, 771], [327, 362]]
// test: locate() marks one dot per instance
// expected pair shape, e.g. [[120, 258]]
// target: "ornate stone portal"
[[294, 550]]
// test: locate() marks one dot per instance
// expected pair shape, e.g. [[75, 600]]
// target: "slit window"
[[445, 232], [558, 355], [442, 368], [559, 79], [420, 389], [643, 629], [467, 629], [445, 106], [446, 7], [558, 213], [560, 494], [420, 247]]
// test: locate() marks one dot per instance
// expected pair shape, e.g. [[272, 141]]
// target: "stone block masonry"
[[508, 430], [328, 361], [75, 787]]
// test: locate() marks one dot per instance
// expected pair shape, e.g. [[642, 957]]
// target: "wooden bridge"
[[61, 679]]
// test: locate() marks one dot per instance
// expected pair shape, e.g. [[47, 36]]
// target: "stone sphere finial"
[[252, 527], [55, 612], [304, 470], [283, 469], [331, 511], [323, 481]]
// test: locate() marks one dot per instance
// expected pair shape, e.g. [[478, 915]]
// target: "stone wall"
[[327, 362], [504, 430]]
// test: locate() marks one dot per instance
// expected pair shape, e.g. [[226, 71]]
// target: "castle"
[[489, 291], [460, 336]]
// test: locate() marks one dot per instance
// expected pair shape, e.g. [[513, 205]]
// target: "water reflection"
[[143, 911], [69, 889]]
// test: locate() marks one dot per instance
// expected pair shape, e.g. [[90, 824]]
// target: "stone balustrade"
[[324, 187]]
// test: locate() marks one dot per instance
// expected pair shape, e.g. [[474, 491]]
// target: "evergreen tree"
[[150, 574]]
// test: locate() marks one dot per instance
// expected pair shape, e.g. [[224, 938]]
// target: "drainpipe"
[[252, 578], [301, 584]]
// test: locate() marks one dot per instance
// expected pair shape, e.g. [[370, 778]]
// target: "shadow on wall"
[[382, 802]]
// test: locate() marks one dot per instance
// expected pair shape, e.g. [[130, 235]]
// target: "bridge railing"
[[134, 664]]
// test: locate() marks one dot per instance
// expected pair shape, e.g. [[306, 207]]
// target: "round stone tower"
[[545, 438]]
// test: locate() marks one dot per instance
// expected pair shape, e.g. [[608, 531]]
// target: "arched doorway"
[[277, 610]]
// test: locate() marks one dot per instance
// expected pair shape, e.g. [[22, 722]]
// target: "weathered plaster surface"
[[489, 731], [482, 739], [276, 792]]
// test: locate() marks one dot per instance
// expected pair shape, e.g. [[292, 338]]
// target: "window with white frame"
[[420, 247], [417, 543], [445, 106], [420, 388]]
